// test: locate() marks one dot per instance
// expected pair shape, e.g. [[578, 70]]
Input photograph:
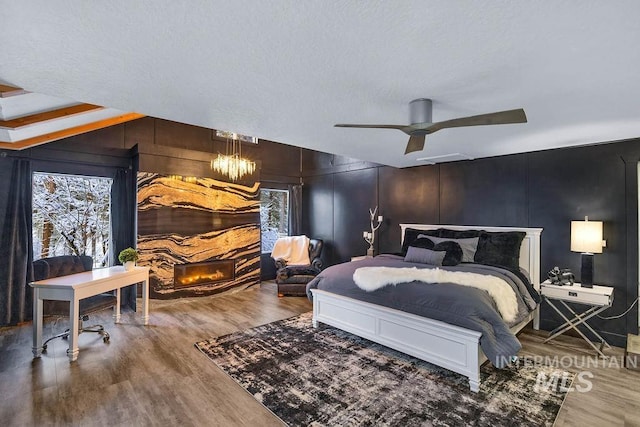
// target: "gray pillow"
[[424, 256], [469, 246]]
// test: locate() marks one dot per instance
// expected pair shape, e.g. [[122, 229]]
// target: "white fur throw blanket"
[[293, 249], [372, 278]]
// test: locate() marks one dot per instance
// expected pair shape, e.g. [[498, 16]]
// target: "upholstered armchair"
[[64, 265], [293, 279]]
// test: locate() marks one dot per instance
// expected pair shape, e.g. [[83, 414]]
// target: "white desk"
[[75, 287]]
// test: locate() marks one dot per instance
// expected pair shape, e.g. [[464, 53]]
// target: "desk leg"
[[117, 313], [74, 315], [145, 301], [37, 324]]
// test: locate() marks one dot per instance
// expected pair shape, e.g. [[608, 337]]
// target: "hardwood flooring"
[[154, 375]]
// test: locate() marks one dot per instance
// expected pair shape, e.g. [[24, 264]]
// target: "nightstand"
[[598, 299]]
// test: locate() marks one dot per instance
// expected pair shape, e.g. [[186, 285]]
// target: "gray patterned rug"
[[325, 376]]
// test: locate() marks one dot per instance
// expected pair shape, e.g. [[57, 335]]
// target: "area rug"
[[326, 376]]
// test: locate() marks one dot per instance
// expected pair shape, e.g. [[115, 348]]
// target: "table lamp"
[[586, 237]]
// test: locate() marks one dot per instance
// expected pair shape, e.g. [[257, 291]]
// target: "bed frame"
[[449, 346]]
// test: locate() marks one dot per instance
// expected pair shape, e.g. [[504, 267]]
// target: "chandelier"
[[232, 164]]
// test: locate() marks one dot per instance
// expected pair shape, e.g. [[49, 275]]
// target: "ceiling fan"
[[421, 125]]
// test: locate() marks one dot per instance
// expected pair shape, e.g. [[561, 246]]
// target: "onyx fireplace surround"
[[203, 273]]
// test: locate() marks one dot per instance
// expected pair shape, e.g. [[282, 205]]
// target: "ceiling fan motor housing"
[[420, 111]]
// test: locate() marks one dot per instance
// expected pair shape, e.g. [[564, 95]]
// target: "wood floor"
[[155, 376]]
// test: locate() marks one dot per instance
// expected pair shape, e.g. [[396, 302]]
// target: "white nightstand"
[[598, 298]]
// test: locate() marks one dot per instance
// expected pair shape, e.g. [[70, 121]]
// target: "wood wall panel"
[[566, 185], [317, 208], [406, 196], [485, 191], [354, 194], [545, 189]]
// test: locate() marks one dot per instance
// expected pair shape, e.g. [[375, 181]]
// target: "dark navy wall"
[[544, 189]]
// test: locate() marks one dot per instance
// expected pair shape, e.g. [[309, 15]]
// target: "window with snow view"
[[71, 216]]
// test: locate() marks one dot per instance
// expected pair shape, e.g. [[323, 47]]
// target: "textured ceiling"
[[288, 70]]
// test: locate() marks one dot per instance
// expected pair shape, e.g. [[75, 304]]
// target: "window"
[[71, 216], [274, 216]]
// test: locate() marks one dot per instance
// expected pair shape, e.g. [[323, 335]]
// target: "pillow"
[[459, 234], [500, 248], [469, 246], [453, 250], [424, 256], [411, 234]]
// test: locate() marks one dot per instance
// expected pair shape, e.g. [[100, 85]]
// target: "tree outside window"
[[274, 216], [71, 216]]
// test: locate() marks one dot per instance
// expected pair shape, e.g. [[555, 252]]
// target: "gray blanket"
[[462, 306]]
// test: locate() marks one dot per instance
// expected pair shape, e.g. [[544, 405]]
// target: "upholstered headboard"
[[529, 250]]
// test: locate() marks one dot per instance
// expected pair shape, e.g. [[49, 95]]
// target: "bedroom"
[[544, 189]]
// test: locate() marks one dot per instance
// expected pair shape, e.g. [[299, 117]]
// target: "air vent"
[[453, 157]]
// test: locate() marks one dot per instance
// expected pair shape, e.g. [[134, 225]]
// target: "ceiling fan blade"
[[499, 118], [416, 143], [399, 127]]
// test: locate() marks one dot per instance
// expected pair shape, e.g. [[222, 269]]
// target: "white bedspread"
[[372, 278], [293, 249]]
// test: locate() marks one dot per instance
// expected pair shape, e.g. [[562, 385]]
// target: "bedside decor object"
[[586, 237], [370, 237], [128, 258]]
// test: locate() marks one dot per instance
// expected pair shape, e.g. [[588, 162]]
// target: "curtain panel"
[[16, 244], [123, 205]]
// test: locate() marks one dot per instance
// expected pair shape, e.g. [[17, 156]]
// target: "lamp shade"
[[586, 236]]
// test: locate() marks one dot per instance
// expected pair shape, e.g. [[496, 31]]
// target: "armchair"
[[63, 265], [293, 279]]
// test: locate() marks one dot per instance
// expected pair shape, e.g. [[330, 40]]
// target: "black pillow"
[[411, 234], [453, 250], [500, 248], [459, 234]]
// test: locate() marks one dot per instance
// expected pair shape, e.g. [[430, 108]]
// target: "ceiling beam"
[[7, 91], [48, 115], [66, 133]]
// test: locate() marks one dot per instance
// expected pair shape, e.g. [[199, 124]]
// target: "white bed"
[[449, 346]]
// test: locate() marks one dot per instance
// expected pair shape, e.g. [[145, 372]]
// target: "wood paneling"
[[486, 192], [66, 133], [545, 189], [406, 196], [48, 115], [354, 194]]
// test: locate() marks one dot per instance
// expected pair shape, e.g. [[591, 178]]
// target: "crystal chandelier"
[[232, 164]]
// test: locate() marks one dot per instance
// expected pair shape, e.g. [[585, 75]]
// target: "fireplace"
[[203, 273]]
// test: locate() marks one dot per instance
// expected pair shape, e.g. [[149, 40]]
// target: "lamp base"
[[586, 270], [370, 252]]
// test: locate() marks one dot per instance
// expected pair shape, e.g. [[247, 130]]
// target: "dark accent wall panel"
[[544, 189], [317, 208], [196, 220], [354, 194], [566, 185], [486, 191], [406, 196]]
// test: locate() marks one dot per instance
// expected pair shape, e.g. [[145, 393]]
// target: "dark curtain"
[[295, 213], [123, 204], [16, 247]]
